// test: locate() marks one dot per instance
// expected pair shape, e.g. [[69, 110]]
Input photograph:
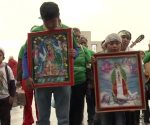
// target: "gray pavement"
[[17, 116]]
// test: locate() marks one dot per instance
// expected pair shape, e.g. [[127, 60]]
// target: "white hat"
[[112, 37]]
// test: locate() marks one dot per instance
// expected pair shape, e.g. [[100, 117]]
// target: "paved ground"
[[16, 116]]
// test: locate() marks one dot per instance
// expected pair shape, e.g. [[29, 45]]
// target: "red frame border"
[[96, 85], [71, 60]]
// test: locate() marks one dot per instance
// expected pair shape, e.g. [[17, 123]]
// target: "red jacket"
[[13, 65]]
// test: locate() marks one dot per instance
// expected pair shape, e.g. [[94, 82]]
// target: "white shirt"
[[3, 80]]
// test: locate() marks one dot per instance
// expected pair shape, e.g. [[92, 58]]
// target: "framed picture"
[[50, 64], [119, 82]]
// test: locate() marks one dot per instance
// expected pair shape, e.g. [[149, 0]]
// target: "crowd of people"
[[69, 100]]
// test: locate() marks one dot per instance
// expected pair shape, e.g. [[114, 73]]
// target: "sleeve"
[[19, 70], [76, 52], [12, 85], [19, 66], [87, 55], [25, 65], [91, 52], [21, 52], [11, 75], [146, 58], [75, 41]]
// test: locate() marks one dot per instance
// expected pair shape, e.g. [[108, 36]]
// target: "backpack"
[[19, 95], [11, 83]]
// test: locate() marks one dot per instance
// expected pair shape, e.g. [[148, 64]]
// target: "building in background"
[[92, 45]]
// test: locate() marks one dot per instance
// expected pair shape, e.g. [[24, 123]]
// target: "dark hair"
[[49, 10], [76, 29], [83, 37], [127, 33]]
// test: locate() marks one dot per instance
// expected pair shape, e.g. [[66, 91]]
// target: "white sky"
[[101, 17]]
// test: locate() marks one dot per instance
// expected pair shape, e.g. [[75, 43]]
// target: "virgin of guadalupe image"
[[119, 84]]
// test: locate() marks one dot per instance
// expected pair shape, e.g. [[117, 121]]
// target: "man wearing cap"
[[49, 12]]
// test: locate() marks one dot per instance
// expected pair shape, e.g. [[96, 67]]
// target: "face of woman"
[[113, 46]]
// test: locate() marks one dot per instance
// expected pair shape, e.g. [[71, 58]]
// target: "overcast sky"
[[101, 17]]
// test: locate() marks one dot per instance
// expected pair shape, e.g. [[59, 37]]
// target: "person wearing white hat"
[[112, 44]]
